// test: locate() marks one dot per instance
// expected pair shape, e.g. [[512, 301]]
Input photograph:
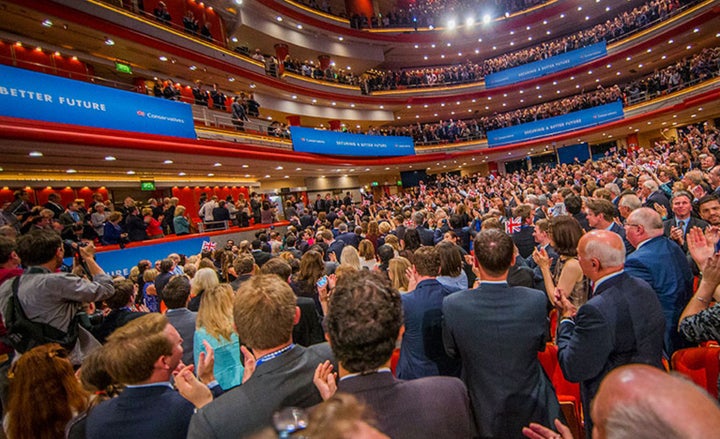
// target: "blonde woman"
[[215, 325], [350, 257], [397, 271], [181, 224], [204, 280], [366, 251]]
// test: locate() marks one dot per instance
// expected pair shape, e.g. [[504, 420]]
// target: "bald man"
[[622, 323], [642, 402]]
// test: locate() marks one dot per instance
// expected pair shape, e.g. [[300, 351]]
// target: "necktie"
[[681, 224]]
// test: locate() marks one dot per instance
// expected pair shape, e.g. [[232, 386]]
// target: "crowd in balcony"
[[623, 24], [312, 69]]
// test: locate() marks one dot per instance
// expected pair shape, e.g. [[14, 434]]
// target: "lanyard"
[[273, 355]]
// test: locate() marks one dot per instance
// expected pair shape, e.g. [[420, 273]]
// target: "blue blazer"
[[617, 229], [422, 353], [157, 412], [621, 324], [662, 263]]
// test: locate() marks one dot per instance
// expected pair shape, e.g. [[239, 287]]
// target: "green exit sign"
[[399, 183], [375, 183], [123, 68], [147, 185]]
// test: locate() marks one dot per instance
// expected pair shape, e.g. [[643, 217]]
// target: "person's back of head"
[[494, 251], [265, 312], [133, 349], [278, 267], [167, 265], [427, 261], [38, 247], [176, 292], [7, 248], [385, 253], [256, 244], [124, 292], [363, 321], [573, 204], [244, 264]]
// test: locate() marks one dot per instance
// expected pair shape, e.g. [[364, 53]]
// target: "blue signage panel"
[[546, 66], [557, 125], [119, 262], [570, 154], [37, 96], [333, 142]]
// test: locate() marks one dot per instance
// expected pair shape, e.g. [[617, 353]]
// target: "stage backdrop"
[[30, 95]]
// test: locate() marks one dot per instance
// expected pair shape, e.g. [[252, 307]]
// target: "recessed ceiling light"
[[130, 172], [47, 22], [294, 96], [278, 18], [298, 169], [299, 26], [341, 38], [35, 154], [245, 166], [193, 68], [163, 58], [217, 164], [182, 174], [71, 171], [231, 79], [267, 176], [168, 162], [110, 158], [109, 42], [211, 174]]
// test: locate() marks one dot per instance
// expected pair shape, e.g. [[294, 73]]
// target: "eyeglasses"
[[631, 225]]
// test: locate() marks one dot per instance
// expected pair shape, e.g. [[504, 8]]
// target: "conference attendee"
[[176, 296], [112, 230], [496, 331], [421, 352], [663, 265], [181, 224], [709, 209], [244, 265], [641, 402], [264, 312], [600, 215], [541, 235], [204, 280], [627, 204], [135, 226], [426, 235], [363, 324], [682, 221], [53, 298], [121, 312], [261, 256], [349, 238], [53, 204], [574, 204], [523, 238], [653, 195], [594, 339], [334, 246], [143, 355]]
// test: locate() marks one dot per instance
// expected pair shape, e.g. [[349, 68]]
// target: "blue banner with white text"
[[31, 95], [546, 66], [556, 125], [336, 143]]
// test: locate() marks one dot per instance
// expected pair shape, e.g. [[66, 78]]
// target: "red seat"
[[568, 393], [701, 365]]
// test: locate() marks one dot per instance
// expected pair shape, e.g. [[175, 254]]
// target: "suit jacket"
[[308, 330], [184, 321], [524, 240], [622, 323], [538, 281], [691, 222], [421, 352], [284, 381], [497, 331], [431, 407], [619, 230], [426, 235], [261, 257], [661, 263], [335, 247], [157, 412], [349, 238], [660, 198]]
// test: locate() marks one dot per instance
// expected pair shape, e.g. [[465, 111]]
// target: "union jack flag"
[[513, 225], [208, 246]]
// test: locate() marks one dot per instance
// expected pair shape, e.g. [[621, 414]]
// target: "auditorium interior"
[[318, 65]]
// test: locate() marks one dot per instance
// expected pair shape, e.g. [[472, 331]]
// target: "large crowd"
[[623, 24], [227, 340]]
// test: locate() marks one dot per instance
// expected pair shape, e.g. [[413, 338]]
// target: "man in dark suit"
[[663, 265], [653, 195], [426, 235], [541, 234], [622, 323], [244, 266], [709, 209], [497, 331], [258, 254], [363, 324], [176, 296], [573, 204], [265, 312], [422, 353], [349, 238], [600, 217], [53, 204], [334, 246], [523, 238], [677, 227], [149, 400]]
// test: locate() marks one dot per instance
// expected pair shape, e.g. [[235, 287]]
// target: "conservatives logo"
[[140, 113]]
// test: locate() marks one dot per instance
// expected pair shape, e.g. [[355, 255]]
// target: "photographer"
[[51, 298]]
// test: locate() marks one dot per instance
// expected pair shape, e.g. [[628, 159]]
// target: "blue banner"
[[30, 95], [546, 66], [119, 262], [333, 142], [557, 125]]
